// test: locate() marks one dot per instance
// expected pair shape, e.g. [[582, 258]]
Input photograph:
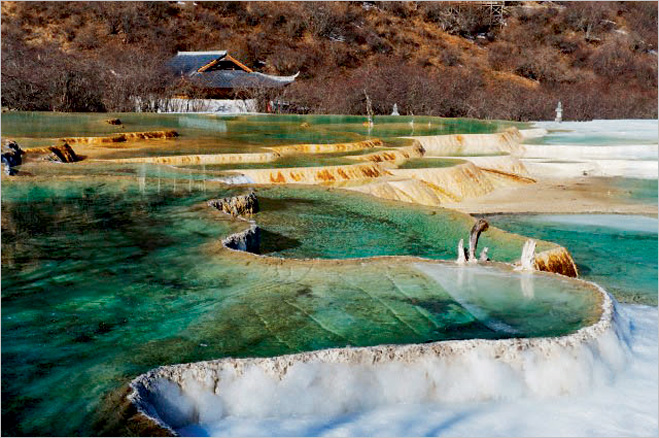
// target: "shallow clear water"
[[626, 406], [617, 251], [638, 190]]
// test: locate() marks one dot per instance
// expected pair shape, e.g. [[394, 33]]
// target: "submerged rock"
[[12, 156], [248, 240], [244, 205]]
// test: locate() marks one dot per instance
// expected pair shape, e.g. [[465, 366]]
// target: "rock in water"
[[480, 226], [557, 260], [12, 156], [62, 153], [113, 121], [244, 205], [248, 240]]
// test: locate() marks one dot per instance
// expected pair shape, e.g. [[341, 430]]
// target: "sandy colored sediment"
[[502, 164], [508, 142], [62, 152], [406, 190], [463, 181]]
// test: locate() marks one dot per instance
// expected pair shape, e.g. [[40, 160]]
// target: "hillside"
[[436, 58]]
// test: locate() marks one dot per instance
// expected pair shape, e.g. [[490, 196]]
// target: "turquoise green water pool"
[[319, 223], [617, 251]]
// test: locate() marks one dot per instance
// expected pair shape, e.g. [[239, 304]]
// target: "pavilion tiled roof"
[[217, 69]]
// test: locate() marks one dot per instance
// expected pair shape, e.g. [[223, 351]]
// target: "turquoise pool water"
[[321, 223], [215, 134], [617, 251]]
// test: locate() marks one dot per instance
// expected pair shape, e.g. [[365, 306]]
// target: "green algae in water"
[[425, 163], [338, 224], [618, 252], [105, 279]]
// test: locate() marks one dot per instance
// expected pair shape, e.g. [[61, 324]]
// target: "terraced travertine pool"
[[110, 270], [102, 281]]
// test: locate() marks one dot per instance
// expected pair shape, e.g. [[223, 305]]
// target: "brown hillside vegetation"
[[435, 58]]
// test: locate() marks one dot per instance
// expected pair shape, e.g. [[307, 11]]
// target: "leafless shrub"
[[459, 19], [613, 59], [590, 18]]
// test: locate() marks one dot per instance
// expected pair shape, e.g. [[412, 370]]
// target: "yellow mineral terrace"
[[327, 148], [315, 175], [123, 137]]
